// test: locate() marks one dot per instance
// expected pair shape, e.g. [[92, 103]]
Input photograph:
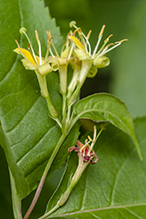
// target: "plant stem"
[[64, 113], [52, 110], [77, 175], [16, 201], [38, 191]]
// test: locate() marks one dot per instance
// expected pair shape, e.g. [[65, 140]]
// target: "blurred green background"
[[125, 77]]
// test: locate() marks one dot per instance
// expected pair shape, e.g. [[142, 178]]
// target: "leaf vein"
[[131, 212], [96, 110], [23, 117]]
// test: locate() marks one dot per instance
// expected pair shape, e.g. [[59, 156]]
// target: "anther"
[[37, 37], [107, 39], [88, 35], [121, 41], [101, 32]]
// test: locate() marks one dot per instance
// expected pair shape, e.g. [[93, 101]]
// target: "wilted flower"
[[85, 151]]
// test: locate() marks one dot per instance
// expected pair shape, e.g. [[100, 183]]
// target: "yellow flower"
[[83, 47], [43, 66]]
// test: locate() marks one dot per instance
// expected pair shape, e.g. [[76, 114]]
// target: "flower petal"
[[81, 55], [101, 62], [28, 65], [76, 42], [25, 54]]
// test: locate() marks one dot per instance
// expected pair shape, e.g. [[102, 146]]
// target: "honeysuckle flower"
[[83, 49], [34, 62], [41, 66]]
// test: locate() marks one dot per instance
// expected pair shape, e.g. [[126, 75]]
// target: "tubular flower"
[[64, 59], [32, 62], [41, 66], [83, 48]]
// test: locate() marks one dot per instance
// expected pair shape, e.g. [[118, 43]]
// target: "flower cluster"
[[77, 53]]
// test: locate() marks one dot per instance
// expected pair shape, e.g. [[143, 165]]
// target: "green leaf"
[[27, 134], [105, 107], [112, 188]]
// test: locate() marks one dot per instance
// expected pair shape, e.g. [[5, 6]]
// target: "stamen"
[[70, 51], [51, 53], [95, 132], [39, 44], [89, 33], [101, 32], [98, 41], [107, 39], [102, 48], [23, 31], [49, 36], [54, 48], [51, 41], [115, 45], [74, 33], [87, 41], [28, 46], [95, 137], [67, 38], [90, 138], [48, 44], [121, 41]]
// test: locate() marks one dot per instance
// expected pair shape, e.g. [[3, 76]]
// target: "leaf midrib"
[[101, 209], [95, 110]]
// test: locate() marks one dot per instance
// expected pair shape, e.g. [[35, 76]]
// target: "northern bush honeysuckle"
[[90, 62], [33, 62], [83, 51], [41, 66]]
